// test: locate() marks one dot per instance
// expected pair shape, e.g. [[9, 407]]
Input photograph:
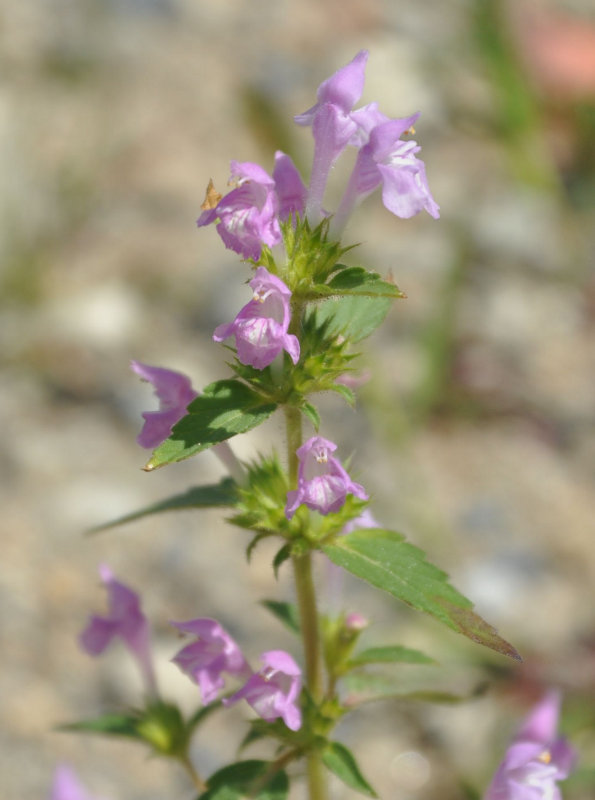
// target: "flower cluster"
[[249, 216], [537, 758], [272, 692]]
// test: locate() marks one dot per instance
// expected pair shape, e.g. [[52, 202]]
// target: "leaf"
[[341, 762], [247, 779], [355, 318], [366, 688], [216, 495], [108, 725], [385, 560], [363, 283], [286, 613], [225, 409], [282, 555], [202, 713], [389, 655], [311, 412]]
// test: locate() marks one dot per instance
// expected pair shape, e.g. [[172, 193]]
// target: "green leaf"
[[202, 713], [225, 409], [367, 688], [282, 555], [286, 613], [362, 283], [311, 412], [108, 725], [341, 762], [389, 655], [385, 560], [355, 318], [247, 779], [217, 495]]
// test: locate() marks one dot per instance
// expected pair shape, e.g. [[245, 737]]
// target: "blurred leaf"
[[311, 412], [282, 555], [107, 725], [247, 779], [225, 409], [286, 613], [384, 559], [341, 762], [217, 495], [367, 688], [390, 654]]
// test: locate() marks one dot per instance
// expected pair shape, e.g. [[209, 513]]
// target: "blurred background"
[[475, 433]]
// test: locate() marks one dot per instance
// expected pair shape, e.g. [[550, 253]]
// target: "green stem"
[[195, 777], [306, 598]]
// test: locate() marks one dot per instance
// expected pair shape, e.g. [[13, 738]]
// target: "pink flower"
[[386, 160], [537, 758], [174, 392], [66, 786], [124, 620], [213, 653], [260, 329], [323, 483], [332, 125], [273, 692], [249, 215]]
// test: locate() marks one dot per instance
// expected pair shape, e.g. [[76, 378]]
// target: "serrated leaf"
[[341, 762], [363, 283], [225, 409], [247, 779], [217, 495], [384, 559], [312, 413], [389, 655], [108, 725], [282, 555], [286, 613], [355, 318]]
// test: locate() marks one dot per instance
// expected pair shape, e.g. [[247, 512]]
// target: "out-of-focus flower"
[[212, 654], [388, 160], [175, 393], [124, 620], [260, 329], [323, 483], [537, 758], [66, 786], [332, 125], [356, 622], [364, 520], [273, 692]]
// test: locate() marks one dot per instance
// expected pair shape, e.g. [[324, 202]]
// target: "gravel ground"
[[475, 433]]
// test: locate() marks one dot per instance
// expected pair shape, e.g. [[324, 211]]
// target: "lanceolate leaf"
[[247, 779], [219, 494], [384, 559], [340, 761], [225, 409], [355, 318], [364, 688], [390, 655], [108, 725], [286, 613]]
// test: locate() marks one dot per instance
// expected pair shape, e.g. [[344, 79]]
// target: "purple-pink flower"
[[387, 160], [537, 758], [212, 654], [249, 215], [175, 393], [323, 483], [124, 620], [66, 786], [274, 691], [260, 329]]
